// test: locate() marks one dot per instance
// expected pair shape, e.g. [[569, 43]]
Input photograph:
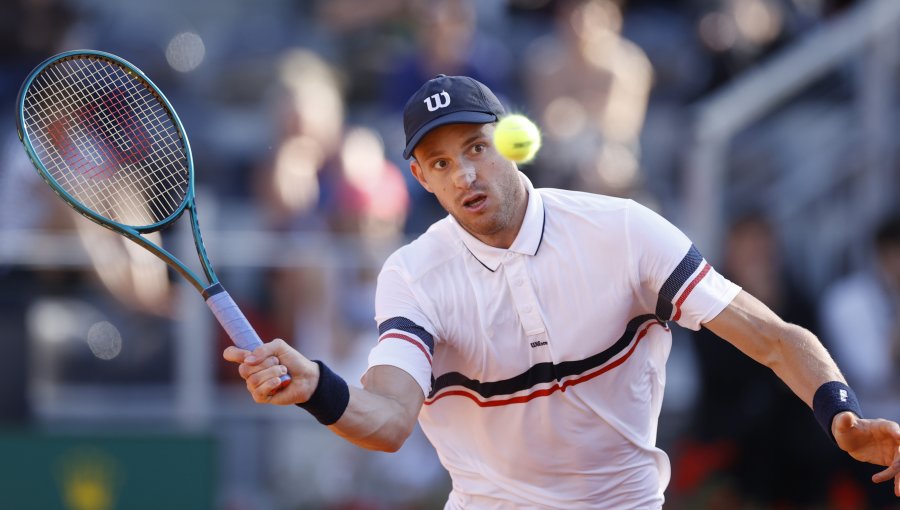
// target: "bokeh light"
[[718, 31], [185, 52], [104, 340], [758, 21]]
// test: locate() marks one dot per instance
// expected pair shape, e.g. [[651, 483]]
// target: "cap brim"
[[450, 118]]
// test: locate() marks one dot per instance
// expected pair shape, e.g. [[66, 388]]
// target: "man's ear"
[[419, 175]]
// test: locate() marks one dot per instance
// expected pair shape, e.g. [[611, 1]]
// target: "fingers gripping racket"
[[108, 142]]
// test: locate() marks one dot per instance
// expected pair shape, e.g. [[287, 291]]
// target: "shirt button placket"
[[523, 295]]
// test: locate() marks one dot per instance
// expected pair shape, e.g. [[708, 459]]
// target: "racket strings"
[[93, 198], [101, 195], [100, 189], [107, 120], [161, 114], [107, 140]]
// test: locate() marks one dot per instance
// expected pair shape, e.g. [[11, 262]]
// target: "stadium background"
[[763, 128]]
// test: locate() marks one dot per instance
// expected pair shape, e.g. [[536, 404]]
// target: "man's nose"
[[464, 176]]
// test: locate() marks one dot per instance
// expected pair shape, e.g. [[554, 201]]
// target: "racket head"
[[106, 140]]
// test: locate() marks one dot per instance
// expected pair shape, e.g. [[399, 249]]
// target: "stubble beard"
[[507, 196]]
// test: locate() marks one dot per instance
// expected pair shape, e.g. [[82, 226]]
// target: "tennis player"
[[528, 332]]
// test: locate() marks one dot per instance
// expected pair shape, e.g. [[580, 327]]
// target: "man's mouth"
[[475, 201]]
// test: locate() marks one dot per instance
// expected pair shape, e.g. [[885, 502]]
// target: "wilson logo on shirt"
[[538, 343]]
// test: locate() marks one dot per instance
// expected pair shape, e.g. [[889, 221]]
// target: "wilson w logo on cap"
[[441, 100]]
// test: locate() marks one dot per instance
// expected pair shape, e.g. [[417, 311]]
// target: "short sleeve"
[[687, 288], [406, 339]]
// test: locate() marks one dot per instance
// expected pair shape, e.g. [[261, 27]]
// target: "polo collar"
[[527, 242]]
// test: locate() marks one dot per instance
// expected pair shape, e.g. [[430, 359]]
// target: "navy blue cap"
[[447, 100]]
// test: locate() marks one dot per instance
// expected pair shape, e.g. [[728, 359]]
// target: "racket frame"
[[131, 232]]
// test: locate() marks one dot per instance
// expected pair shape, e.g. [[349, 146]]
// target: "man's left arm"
[[799, 359]]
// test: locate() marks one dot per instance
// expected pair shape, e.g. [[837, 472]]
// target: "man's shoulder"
[[575, 200], [436, 246], [596, 208]]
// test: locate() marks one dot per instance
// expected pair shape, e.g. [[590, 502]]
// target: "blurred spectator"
[[740, 33], [447, 40], [861, 319], [308, 110], [323, 176], [292, 187], [751, 434], [350, 15], [589, 87], [371, 198]]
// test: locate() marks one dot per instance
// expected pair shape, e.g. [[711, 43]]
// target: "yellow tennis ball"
[[517, 138]]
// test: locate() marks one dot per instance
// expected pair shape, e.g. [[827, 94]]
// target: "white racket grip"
[[231, 318], [233, 321]]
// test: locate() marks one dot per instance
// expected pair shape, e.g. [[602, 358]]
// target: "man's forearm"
[[802, 362], [792, 352], [374, 422], [382, 414]]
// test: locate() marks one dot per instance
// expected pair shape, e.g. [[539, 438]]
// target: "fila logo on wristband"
[[830, 399], [441, 100]]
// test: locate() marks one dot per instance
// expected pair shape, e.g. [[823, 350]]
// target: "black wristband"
[[832, 398], [329, 401]]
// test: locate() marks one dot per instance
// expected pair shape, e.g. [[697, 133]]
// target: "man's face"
[[472, 181]]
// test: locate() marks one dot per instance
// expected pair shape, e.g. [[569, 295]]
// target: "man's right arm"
[[379, 416], [382, 414]]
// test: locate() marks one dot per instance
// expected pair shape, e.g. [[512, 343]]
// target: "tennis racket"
[[109, 143]]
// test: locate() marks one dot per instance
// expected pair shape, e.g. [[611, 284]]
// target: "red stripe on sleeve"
[[410, 340], [687, 291]]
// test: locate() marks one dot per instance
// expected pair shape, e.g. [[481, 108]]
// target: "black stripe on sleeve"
[[404, 324], [676, 280]]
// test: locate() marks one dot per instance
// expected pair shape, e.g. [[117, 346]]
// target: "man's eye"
[[479, 147], [440, 164]]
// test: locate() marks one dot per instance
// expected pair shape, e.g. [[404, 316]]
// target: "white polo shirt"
[[543, 365]]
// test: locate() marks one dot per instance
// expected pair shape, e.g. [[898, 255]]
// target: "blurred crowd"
[[294, 113]]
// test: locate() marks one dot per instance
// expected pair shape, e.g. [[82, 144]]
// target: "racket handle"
[[233, 321]]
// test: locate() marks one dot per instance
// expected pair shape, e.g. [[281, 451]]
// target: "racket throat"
[[212, 290]]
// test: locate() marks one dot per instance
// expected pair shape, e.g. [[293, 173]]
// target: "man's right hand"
[[262, 370]]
